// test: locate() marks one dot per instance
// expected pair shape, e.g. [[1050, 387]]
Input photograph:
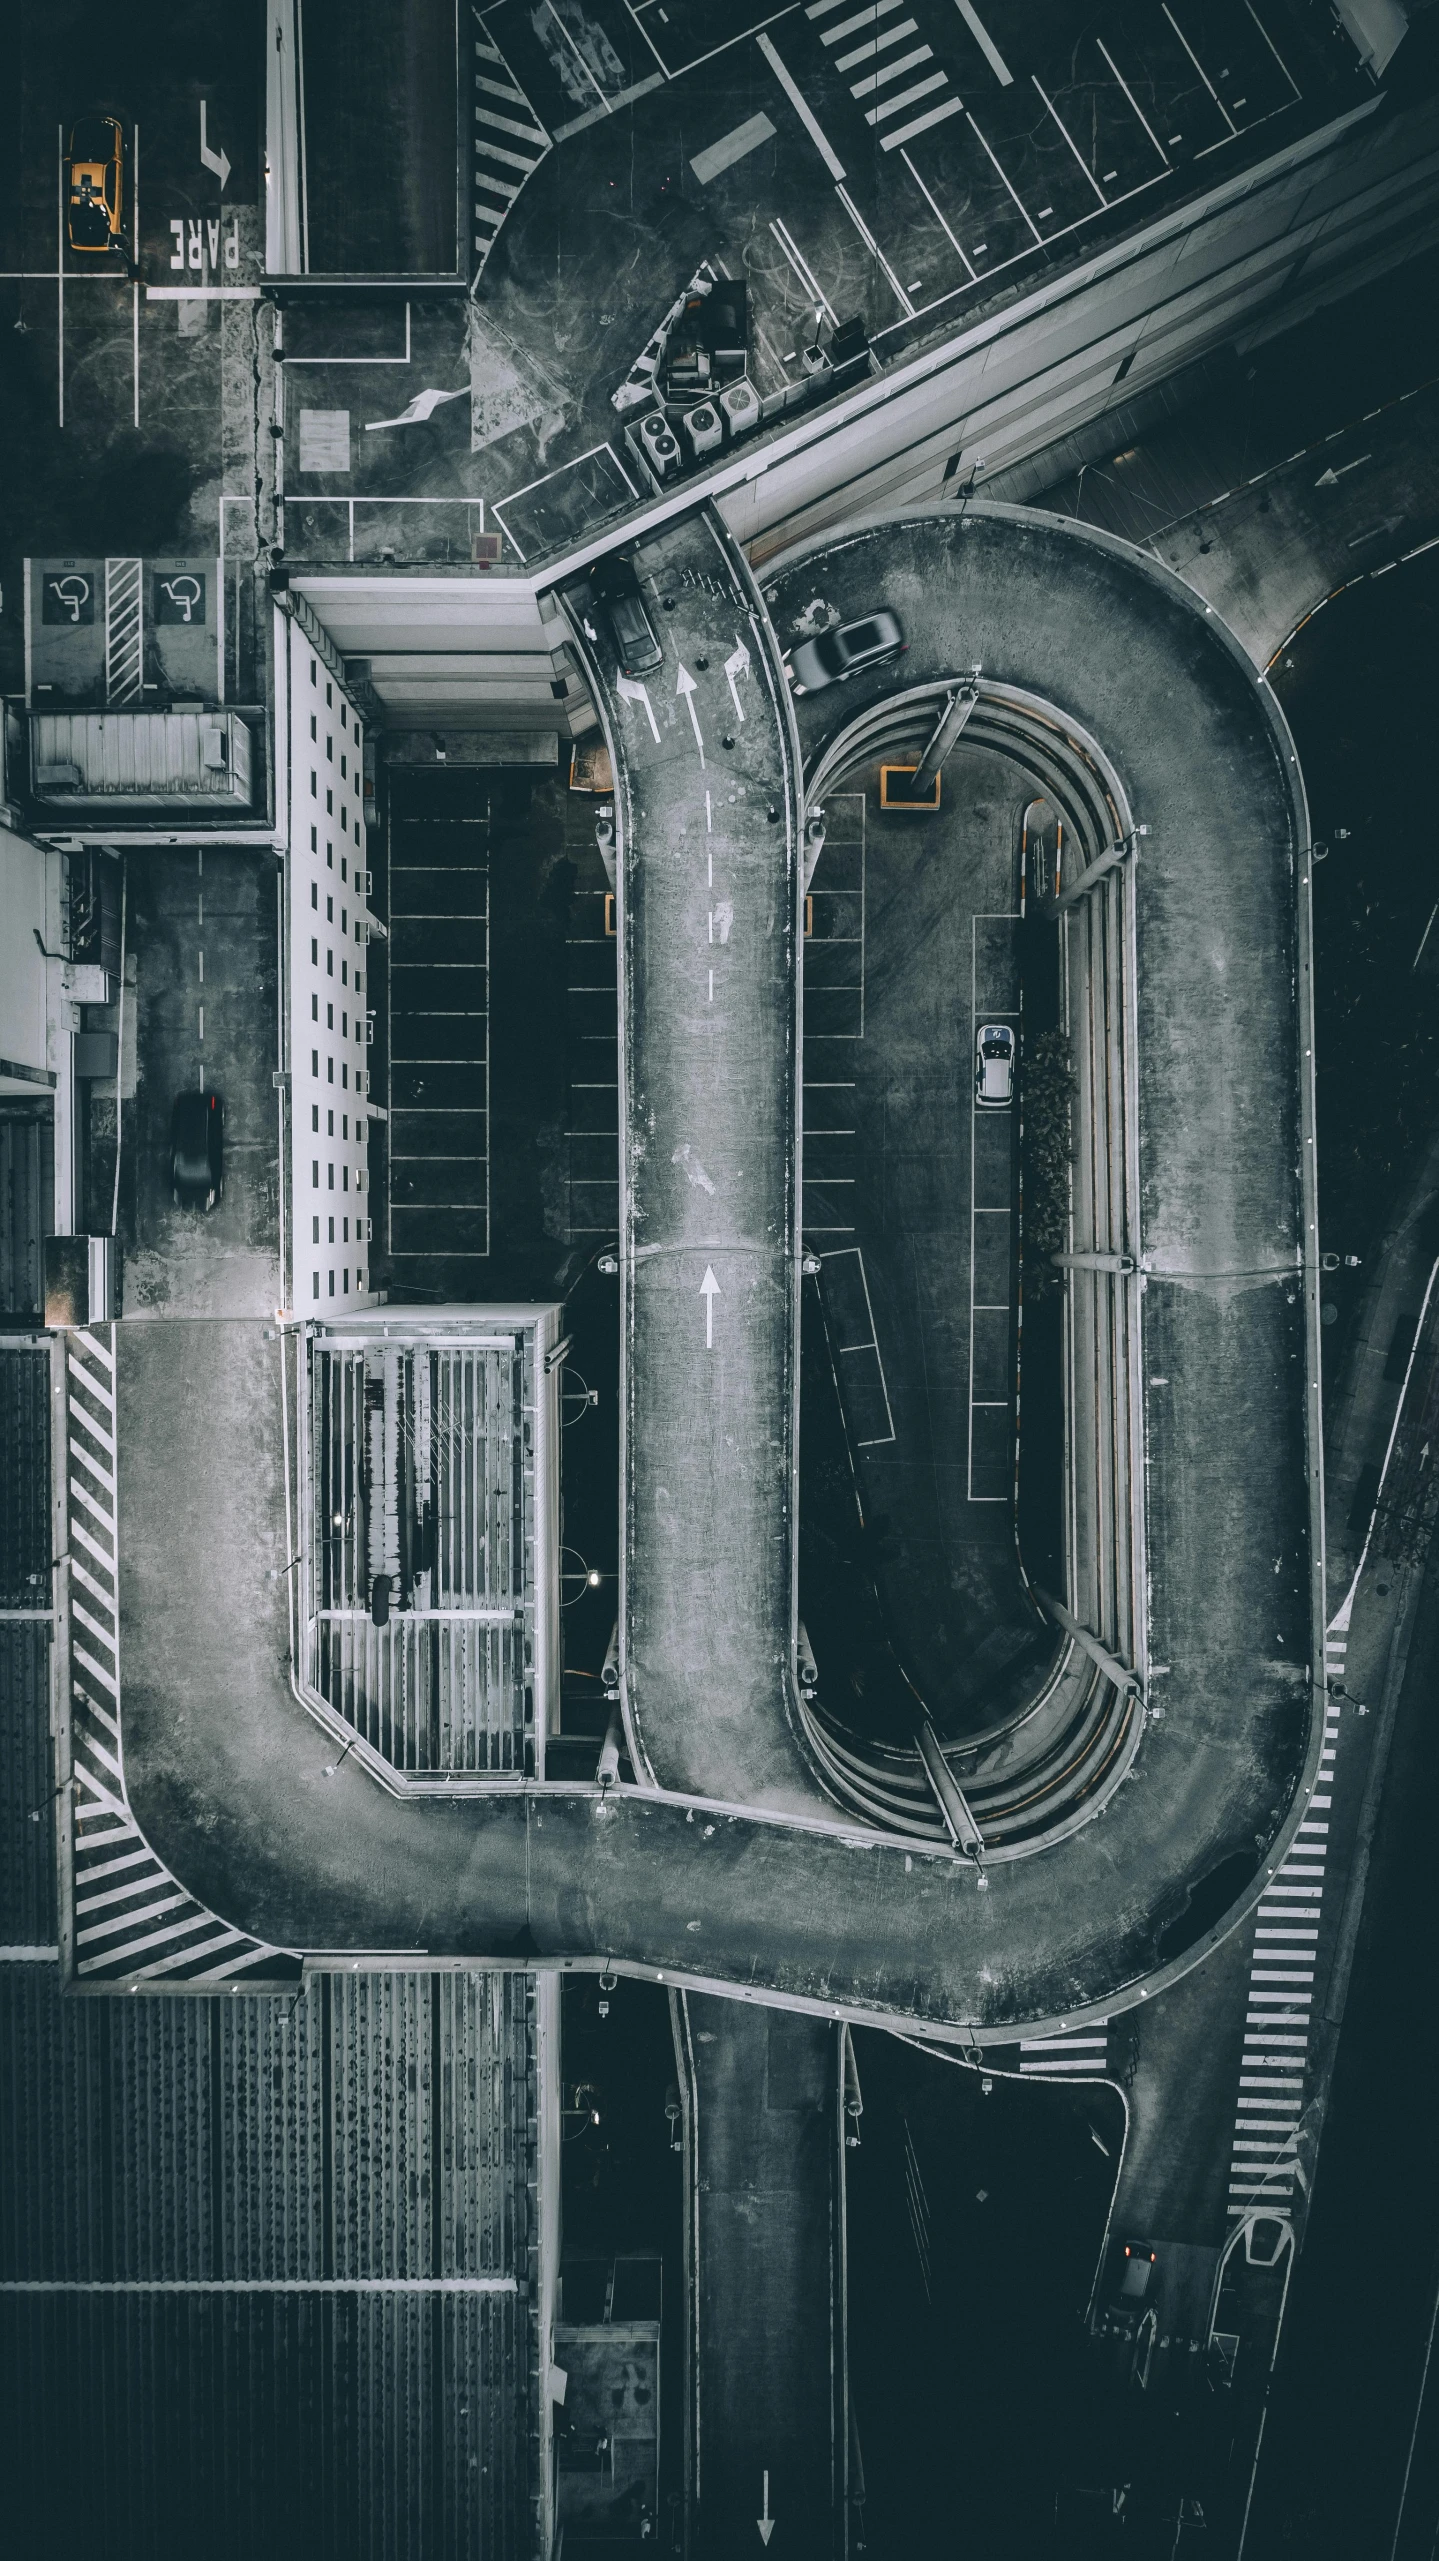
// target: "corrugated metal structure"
[[270, 2261], [431, 1462], [146, 759], [268, 2270]]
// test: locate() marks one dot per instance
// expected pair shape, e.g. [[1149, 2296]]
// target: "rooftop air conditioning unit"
[[661, 446], [486, 550], [740, 404], [704, 428]]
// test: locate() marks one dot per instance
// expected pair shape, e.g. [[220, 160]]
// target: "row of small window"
[[330, 904], [359, 1283], [330, 807], [330, 1173], [363, 1231], [330, 1123], [329, 701], [344, 1066], [330, 743], [330, 862], [330, 966], [360, 1032]]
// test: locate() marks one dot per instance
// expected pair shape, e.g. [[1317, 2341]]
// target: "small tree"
[[1046, 1152]]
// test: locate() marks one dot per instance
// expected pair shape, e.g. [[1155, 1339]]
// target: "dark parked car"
[[845, 652], [197, 1150], [617, 589], [95, 185]]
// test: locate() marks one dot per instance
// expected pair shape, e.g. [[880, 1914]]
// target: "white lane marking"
[[875, 251], [709, 1286], [630, 690], [731, 147], [986, 43], [1199, 67], [892, 71], [1069, 138], [934, 209], [974, 129], [1134, 102], [906, 97], [685, 691], [877, 44], [805, 274], [790, 86], [737, 664], [921, 124], [709, 818], [862, 18]]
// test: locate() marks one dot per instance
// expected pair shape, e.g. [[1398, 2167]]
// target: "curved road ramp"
[[1175, 1732]]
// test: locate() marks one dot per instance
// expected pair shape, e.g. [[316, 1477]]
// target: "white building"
[[329, 935]]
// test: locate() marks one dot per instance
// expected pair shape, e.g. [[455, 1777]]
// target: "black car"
[[197, 1150], [846, 651], [617, 590]]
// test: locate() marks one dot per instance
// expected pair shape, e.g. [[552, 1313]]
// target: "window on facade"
[[329, 695], [314, 1115], [330, 1123], [314, 953], [315, 1172], [347, 1278], [330, 749], [329, 1178], [347, 1231], [345, 1177], [314, 784], [314, 1009], [330, 857], [332, 1284], [313, 732], [314, 894], [329, 1018], [316, 1290], [329, 1071], [316, 1226], [332, 1231], [314, 840], [329, 804], [345, 1125], [314, 1062]]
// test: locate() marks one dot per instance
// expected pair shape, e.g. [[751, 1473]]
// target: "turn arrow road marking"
[[215, 160], [630, 690], [737, 664], [686, 690]]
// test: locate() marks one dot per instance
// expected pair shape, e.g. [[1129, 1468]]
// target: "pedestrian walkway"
[[1264, 2167], [510, 143], [130, 1918], [1082, 2051]]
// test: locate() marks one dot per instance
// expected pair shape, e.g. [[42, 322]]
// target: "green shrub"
[[1047, 1091]]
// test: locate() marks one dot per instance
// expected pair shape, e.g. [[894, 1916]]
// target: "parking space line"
[[1134, 102], [792, 91], [1273, 47], [892, 71], [1199, 67], [1069, 138], [809, 281], [60, 262], [986, 43], [939, 218], [974, 129]]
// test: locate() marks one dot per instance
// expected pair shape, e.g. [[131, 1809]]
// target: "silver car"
[[994, 1048], [845, 652]]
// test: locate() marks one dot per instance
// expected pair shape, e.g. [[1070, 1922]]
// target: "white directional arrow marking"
[[709, 1291], [766, 2522], [687, 688], [215, 160], [737, 664], [1327, 479], [631, 690]]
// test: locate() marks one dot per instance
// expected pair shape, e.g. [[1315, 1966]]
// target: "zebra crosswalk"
[[1078, 2050], [870, 37], [1265, 2168], [129, 1919], [510, 143]]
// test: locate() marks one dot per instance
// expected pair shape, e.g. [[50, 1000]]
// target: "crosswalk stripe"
[[506, 124], [863, 18], [874, 45], [892, 71], [921, 124], [906, 97], [490, 123]]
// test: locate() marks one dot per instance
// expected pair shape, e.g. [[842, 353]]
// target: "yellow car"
[[95, 184]]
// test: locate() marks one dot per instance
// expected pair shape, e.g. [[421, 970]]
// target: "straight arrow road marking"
[[630, 690], [687, 689], [1328, 479], [1386, 525], [215, 160], [737, 664], [709, 1291], [766, 2522]]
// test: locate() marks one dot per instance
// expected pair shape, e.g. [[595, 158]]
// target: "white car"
[[994, 1051]]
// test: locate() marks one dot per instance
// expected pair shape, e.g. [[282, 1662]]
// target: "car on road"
[[846, 651], [95, 185], [617, 590], [197, 1149], [994, 1048]]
